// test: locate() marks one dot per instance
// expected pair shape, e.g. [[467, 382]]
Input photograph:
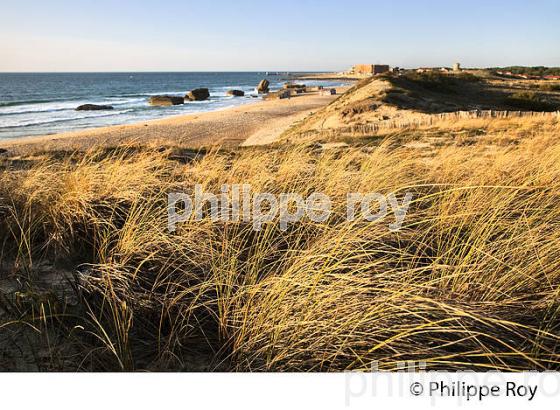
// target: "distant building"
[[380, 68], [505, 73], [434, 69], [457, 67], [370, 69], [509, 74]]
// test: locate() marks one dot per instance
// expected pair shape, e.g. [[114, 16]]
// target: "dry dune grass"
[[470, 281], [485, 132]]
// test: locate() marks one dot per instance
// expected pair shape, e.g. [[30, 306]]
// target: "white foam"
[[26, 120], [62, 106]]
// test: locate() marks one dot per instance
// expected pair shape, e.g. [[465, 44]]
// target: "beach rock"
[[328, 91], [278, 95], [290, 86], [93, 107], [198, 94], [236, 93], [165, 100], [263, 86]]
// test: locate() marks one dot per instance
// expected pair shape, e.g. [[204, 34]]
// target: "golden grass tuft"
[[469, 282]]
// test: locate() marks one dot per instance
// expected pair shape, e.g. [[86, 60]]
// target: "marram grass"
[[471, 281]]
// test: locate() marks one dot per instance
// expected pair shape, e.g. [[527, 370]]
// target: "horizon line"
[[170, 71], [244, 71]]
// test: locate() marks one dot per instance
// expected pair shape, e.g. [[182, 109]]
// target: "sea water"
[[45, 103]]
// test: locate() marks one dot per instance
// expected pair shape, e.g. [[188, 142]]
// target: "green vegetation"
[[437, 82], [537, 70]]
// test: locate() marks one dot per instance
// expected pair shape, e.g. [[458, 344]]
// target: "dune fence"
[[433, 119]]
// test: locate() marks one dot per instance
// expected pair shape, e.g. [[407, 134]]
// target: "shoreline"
[[259, 122]]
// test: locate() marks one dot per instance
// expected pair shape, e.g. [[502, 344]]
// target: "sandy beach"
[[255, 123]]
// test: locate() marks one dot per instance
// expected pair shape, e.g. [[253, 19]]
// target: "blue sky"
[[184, 35]]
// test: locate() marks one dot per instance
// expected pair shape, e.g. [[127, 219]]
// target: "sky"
[[281, 35]]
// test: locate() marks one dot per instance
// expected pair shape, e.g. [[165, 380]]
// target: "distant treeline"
[[538, 70]]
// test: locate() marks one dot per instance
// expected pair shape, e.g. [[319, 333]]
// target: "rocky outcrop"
[[328, 91], [236, 93], [198, 94], [165, 100], [291, 86], [263, 86], [278, 95], [93, 107]]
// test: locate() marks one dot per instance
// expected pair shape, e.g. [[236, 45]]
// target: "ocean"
[[44, 103]]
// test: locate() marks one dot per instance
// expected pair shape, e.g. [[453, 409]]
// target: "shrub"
[[538, 70], [441, 82], [530, 101]]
